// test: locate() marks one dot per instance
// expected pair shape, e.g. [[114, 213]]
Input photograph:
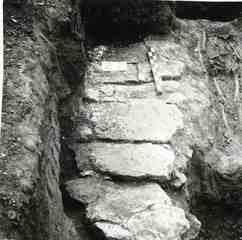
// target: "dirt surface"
[[17, 27]]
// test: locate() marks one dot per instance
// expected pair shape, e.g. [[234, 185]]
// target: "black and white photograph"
[[120, 120]]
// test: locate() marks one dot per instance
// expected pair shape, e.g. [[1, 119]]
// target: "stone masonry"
[[125, 140]]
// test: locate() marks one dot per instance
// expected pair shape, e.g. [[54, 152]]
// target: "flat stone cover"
[[129, 212], [136, 120], [127, 160]]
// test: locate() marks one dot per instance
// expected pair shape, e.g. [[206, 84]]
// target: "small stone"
[[87, 173], [12, 214], [114, 231], [167, 86], [2, 155], [107, 178], [92, 94], [109, 66], [180, 179], [171, 70], [37, 53], [13, 20], [194, 230], [175, 98], [85, 132]]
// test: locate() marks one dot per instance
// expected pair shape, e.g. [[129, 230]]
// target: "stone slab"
[[132, 53], [139, 195], [139, 161], [119, 93], [134, 120], [169, 70], [113, 66], [135, 72], [129, 212]]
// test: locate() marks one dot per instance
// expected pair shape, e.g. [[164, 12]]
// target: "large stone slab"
[[134, 73], [134, 120], [119, 93], [114, 66], [132, 53], [140, 196], [129, 212], [139, 161]]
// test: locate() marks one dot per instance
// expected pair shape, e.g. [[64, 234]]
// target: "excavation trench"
[[106, 36], [121, 121], [126, 136]]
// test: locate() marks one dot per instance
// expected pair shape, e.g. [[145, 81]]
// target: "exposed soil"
[[222, 219]]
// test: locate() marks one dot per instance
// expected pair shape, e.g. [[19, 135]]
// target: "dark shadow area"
[[126, 21], [219, 221], [215, 11], [76, 211], [69, 169], [218, 209]]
